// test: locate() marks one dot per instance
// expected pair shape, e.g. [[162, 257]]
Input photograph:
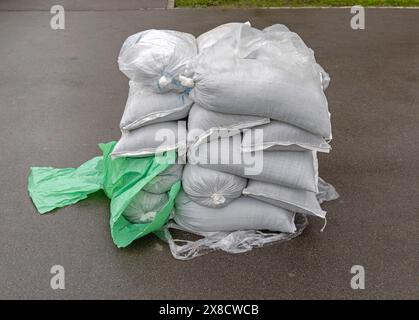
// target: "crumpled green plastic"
[[120, 178]]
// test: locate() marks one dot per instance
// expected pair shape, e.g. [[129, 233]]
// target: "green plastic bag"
[[120, 178]]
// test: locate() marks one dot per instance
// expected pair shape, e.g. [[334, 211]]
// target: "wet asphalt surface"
[[61, 93]]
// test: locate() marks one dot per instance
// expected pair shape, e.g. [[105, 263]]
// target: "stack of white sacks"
[[157, 106], [257, 118]]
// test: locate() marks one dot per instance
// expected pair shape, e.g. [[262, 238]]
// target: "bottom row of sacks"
[[236, 214], [229, 212]]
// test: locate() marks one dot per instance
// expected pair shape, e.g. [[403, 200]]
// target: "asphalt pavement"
[[61, 93]]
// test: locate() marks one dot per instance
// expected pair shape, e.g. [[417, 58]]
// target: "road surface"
[[62, 93]]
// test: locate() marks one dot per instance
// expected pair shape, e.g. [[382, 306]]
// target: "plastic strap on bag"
[[231, 242]]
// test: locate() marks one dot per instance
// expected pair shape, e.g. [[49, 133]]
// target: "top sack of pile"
[[156, 58], [268, 73]]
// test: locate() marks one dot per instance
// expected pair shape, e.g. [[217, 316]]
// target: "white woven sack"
[[211, 188], [154, 138], [164, 181], [144, 207], [297, 170], [269, 73], [243, 213], [279, 135], [205, 125], [291, 199], [145, 107]]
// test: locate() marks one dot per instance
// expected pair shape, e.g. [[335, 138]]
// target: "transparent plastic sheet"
[[326, 192], [231, 242]]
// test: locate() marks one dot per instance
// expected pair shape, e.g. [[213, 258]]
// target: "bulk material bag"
[[193, 217], [205, 125], [122, 179], [164, 181], [279, 135], [290, 199], [154, 138], [252, 87], [211, 188], [241, 214], [260, 74], [145, 107], [156, 58], [298, 170], [144, 207]]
